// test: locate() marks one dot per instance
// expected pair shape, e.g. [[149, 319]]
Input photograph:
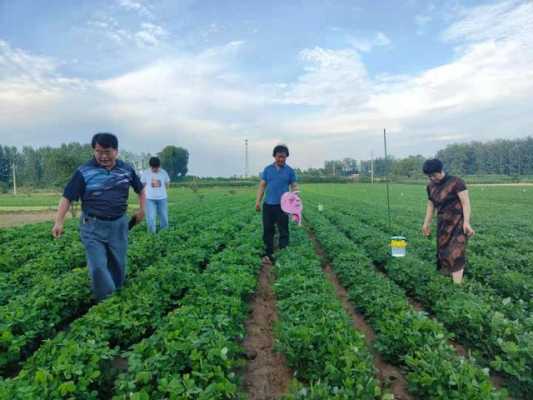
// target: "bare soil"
[[266, 375], [389, 375], [20, 218]]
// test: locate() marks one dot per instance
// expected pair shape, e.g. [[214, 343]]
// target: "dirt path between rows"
[[390, 376], [20, 218], [266, 375]]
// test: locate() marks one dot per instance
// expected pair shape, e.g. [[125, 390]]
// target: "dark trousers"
[[272, 216]]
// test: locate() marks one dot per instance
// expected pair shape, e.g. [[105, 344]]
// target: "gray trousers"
[[106, 247]]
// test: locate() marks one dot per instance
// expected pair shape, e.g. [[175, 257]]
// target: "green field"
[[50, 200], [176, 330]]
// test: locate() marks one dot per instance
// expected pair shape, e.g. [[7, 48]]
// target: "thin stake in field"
[[398, 244]]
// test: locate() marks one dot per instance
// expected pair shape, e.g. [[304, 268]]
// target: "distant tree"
[[504, 157], [409, 167], [174, 160], [9, 156]]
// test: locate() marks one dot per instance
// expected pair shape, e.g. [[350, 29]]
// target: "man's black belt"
[[103, 217]]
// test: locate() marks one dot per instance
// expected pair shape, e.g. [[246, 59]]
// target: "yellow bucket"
[[398, 245]]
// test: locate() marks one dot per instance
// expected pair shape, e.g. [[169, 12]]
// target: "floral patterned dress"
[[451, 239]]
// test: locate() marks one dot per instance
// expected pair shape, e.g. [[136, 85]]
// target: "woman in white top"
[[156, 182]]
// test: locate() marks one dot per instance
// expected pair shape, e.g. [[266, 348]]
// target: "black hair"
[[154, 162], [280, 148], [432, 166], [106, 140]]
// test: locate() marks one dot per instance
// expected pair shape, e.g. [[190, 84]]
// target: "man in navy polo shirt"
[[103, 185], [276, 179]]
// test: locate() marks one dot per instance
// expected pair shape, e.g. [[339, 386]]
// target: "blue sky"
[[324, 77]]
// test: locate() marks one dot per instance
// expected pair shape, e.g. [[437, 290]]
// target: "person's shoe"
[[268, 259]]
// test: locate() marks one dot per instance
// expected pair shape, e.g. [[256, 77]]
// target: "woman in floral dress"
[[449, 197]]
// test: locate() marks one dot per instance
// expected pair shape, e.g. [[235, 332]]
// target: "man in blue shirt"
[[103, 185], [276, 179]]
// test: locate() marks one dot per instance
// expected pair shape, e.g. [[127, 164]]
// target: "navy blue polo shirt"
[[104, 193], [278, 180]]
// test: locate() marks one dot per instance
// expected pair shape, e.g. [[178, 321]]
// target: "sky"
[[324, 77]]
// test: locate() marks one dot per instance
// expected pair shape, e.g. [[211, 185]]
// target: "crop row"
[[15, 253], [330, 359], [500, 284], [196, 351], [506, 344], [53, 303], [59, 261], [79, 363], [405, 337]]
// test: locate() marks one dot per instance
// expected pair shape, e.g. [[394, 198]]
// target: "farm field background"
[[178, 328]]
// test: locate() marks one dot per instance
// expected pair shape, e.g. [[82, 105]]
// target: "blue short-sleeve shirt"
[[278, 180], [103, 193]]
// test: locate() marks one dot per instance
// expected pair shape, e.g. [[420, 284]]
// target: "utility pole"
[[517, 150], [14, 179], [372, 167], [246, 171], [387, 178]]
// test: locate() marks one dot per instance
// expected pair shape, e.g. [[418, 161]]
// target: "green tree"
[[409, 167], [174, 160]]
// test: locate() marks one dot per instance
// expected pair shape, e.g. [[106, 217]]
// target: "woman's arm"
[[467, 211], [426, 227]]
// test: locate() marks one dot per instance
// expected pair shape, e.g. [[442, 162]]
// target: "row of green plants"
[[54, 303], [28, 231], [81, 362], [489, 260], [197, 352], [330, 359], [494, 289], [507, 250], [55, 263], [505, 344], [32, 243], [404, 337], [499, 215]]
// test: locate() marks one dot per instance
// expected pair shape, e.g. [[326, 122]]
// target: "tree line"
[[52, 166], [499, 157], [46, 167]]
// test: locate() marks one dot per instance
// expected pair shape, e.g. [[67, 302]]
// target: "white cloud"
[[139, 7], [150, 35], [29, 84], [367, 44], [334, 108], [146, 35], [332, 79], [493, 70], [507, 20]]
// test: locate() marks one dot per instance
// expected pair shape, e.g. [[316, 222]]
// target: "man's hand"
[[139, 215], [257, 206], [468, 230], [426, 230], [57, 230]]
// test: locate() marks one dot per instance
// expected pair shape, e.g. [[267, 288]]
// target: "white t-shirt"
[[154, 184]]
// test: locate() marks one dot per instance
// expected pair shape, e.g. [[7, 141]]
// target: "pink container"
[[292, 204]]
